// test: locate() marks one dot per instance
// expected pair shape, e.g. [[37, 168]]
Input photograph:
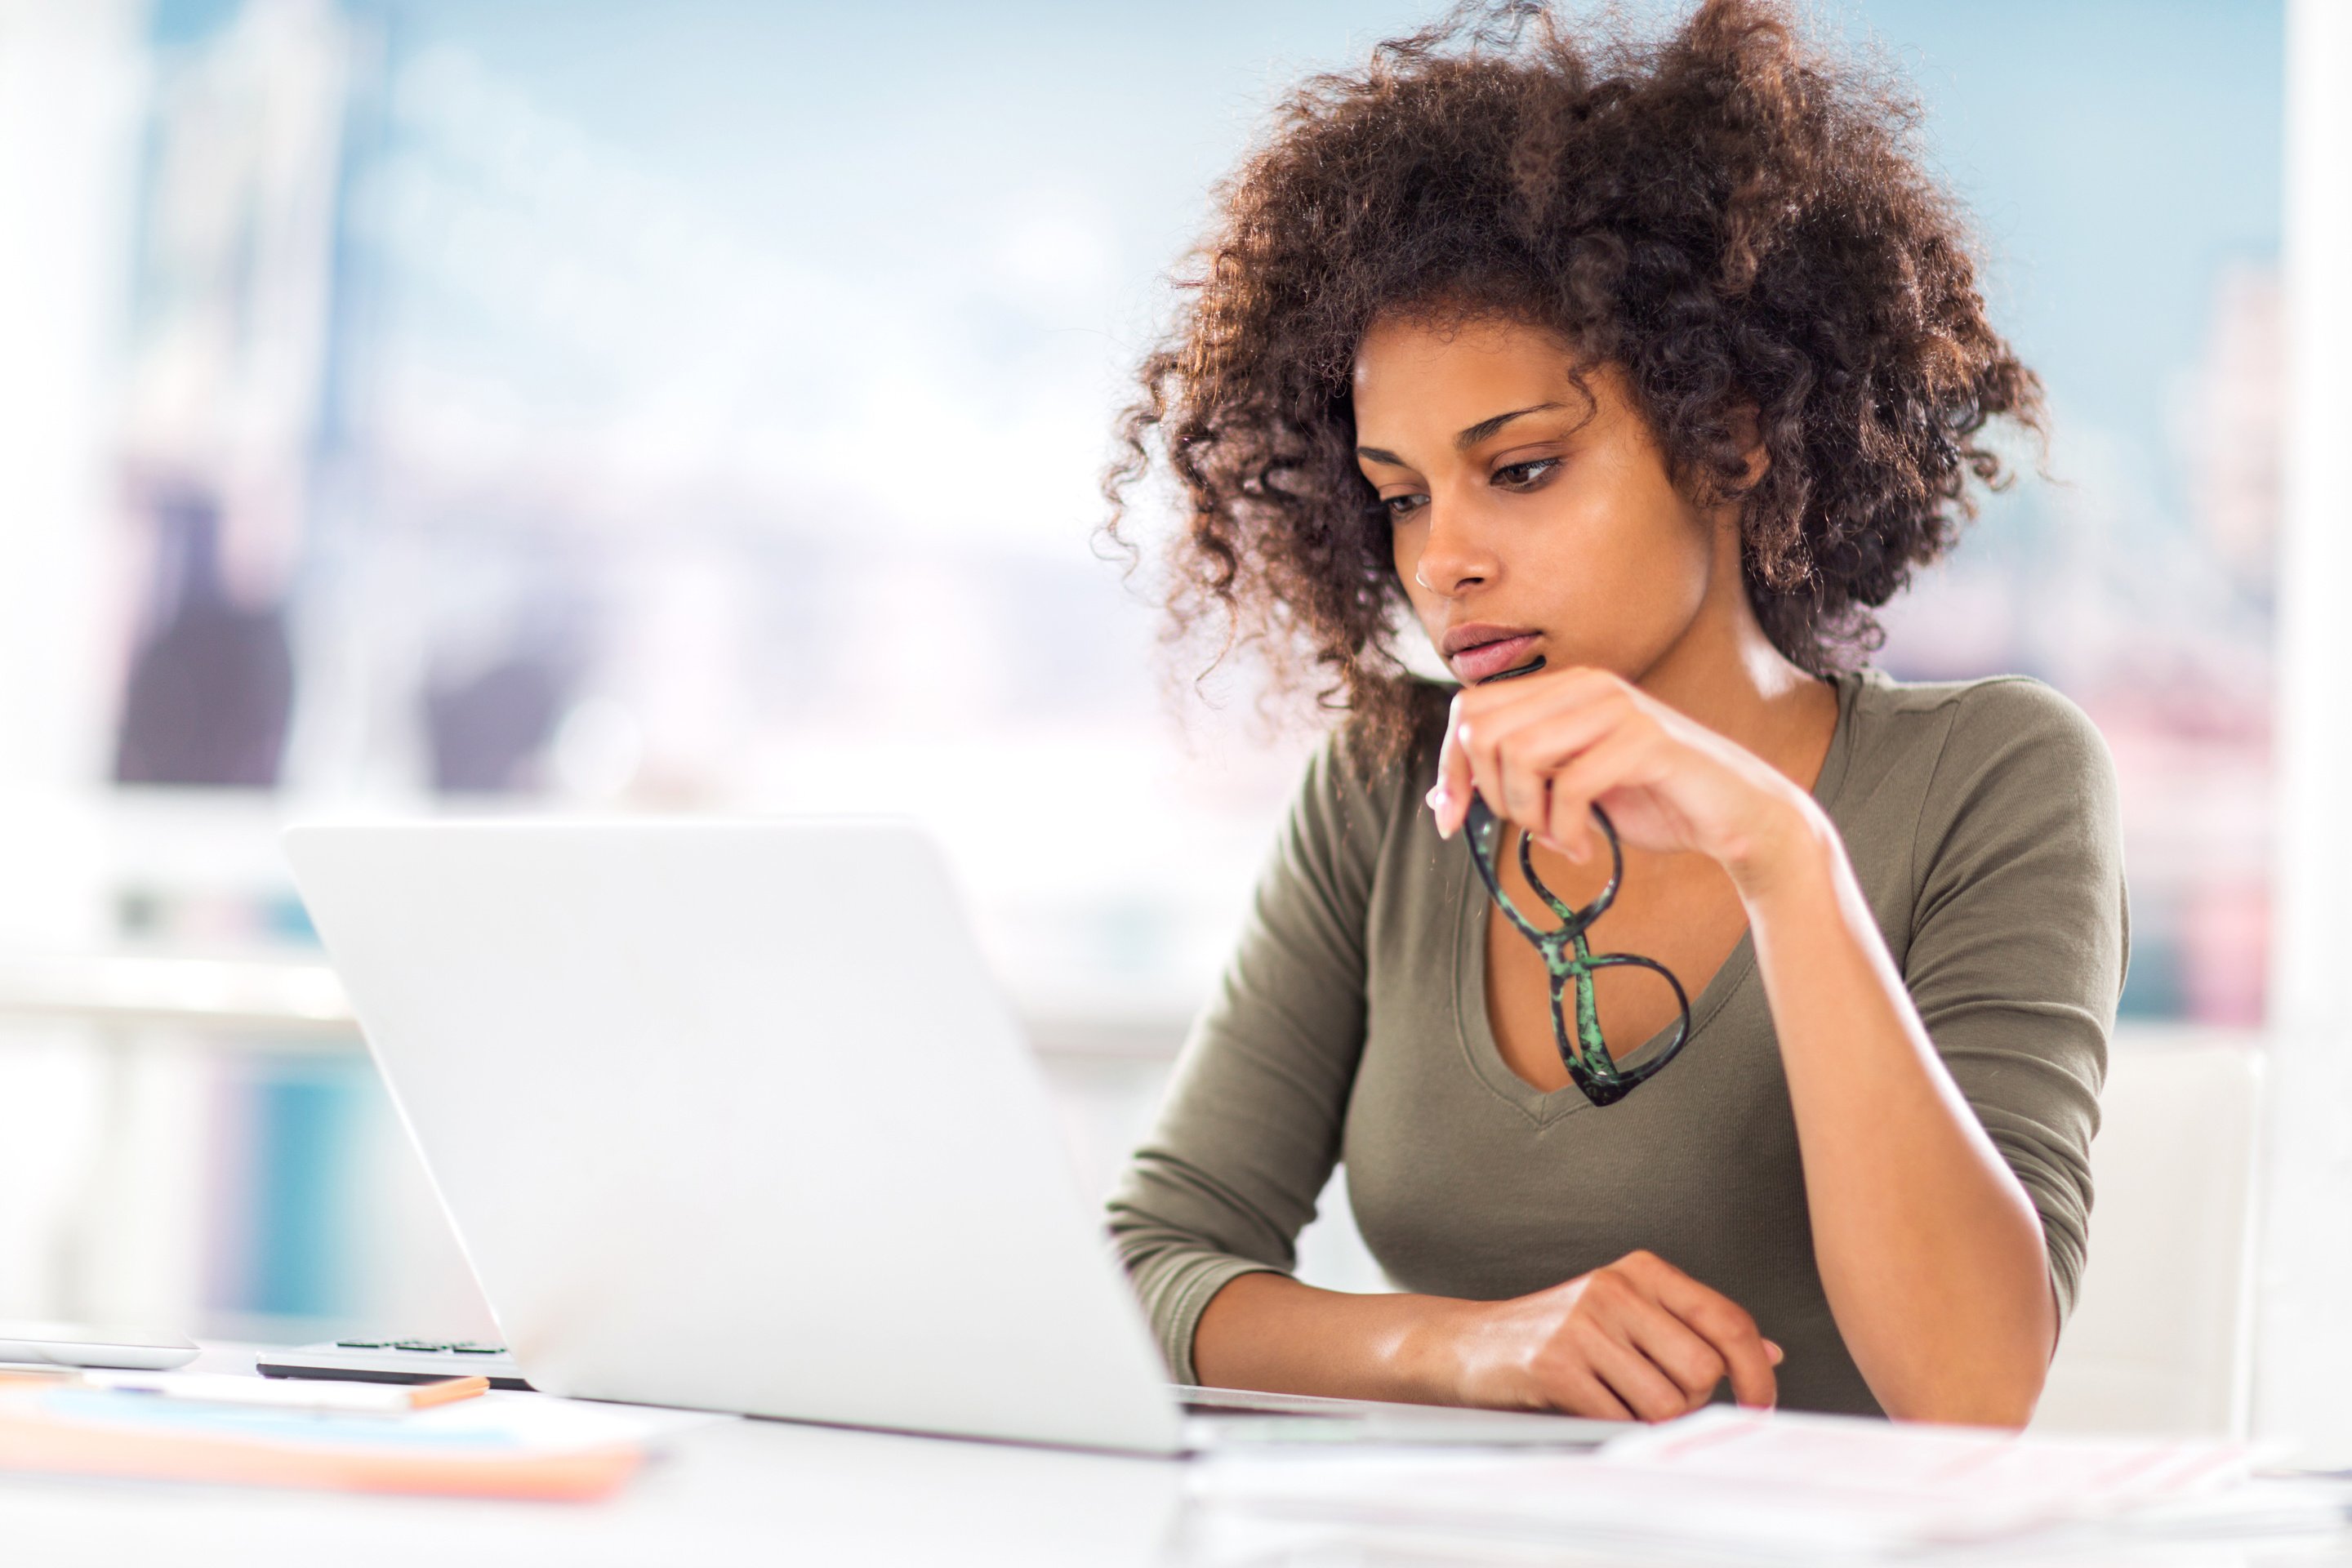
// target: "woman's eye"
[[1522, 476], [1401, 507]]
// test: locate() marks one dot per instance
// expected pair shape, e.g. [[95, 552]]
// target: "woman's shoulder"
[[2015, 695], [2008, 754], [2008, 720]]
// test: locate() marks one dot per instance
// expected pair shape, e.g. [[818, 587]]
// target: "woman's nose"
[[1454, 556]]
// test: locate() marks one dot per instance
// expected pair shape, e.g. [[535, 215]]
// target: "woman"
[[1637, 376]]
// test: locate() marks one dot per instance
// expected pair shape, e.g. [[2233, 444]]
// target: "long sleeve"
[[1250, 1128], [2019, 939]]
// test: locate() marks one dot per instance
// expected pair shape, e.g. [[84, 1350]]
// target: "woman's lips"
[[1490, 659]]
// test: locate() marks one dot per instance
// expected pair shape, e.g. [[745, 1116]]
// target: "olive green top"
[[1982, 822]]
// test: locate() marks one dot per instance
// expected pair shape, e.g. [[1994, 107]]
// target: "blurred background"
[[525, 405]]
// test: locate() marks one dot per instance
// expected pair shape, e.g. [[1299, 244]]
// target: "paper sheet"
[[1768, 1484], [497, 1445]]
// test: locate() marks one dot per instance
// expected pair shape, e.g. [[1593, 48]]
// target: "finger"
[[1568, 824], [1559, 690], [1696, 1366], [1717, 1318], [1545, 701], [1449, 800], [1578, 1393], [1573, 790], [1559, 738], [1514, 752], [1625, 758], [1632, 1376], [1733, 1335], [1480, 750], [1525, 787]]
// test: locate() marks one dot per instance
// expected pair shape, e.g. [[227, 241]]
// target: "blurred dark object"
[[488, 732], [210, 690]]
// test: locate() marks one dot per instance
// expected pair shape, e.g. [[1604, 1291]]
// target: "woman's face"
[[1534, 519]]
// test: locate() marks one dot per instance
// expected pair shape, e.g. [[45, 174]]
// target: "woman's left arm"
[[1930, 1249]]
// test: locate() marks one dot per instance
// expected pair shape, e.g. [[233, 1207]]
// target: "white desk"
[[736, 1491], [732, 1491]]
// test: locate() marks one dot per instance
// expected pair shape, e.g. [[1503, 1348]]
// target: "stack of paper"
[[515, 1446], [1772, 1484]]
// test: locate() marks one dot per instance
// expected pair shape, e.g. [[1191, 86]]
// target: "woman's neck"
[[1725, 673]]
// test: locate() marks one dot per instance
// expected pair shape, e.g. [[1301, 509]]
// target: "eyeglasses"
[[1568, 962]]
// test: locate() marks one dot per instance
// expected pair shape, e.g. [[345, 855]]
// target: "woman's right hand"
[[1636, 1339]]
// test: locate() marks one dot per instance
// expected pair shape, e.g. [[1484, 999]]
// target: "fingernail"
[[1776, 1352]]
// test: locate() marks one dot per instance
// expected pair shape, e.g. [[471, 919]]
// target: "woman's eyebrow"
[[1485, 427], [1465, 441]]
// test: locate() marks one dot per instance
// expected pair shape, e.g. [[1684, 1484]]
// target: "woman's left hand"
[[1542, 749]]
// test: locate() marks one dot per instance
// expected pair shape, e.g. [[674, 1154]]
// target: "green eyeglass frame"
[[1570, 961]]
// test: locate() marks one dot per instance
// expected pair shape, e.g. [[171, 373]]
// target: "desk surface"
[[731, 1491], [739, 1491]]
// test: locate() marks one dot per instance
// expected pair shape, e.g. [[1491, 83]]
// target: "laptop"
[[729, 1115]]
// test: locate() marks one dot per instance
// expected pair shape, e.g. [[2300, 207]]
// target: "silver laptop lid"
[[729, 1115]]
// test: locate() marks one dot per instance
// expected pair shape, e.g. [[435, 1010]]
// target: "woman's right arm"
[[1250, 1128], [1638, 1340]]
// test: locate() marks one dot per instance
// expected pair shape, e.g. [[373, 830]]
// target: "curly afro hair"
[[1735, 220]]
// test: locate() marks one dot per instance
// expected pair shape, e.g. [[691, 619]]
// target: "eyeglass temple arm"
[[1577, 918], [1485, 831], [1681, 1012], [1582, 1051]]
